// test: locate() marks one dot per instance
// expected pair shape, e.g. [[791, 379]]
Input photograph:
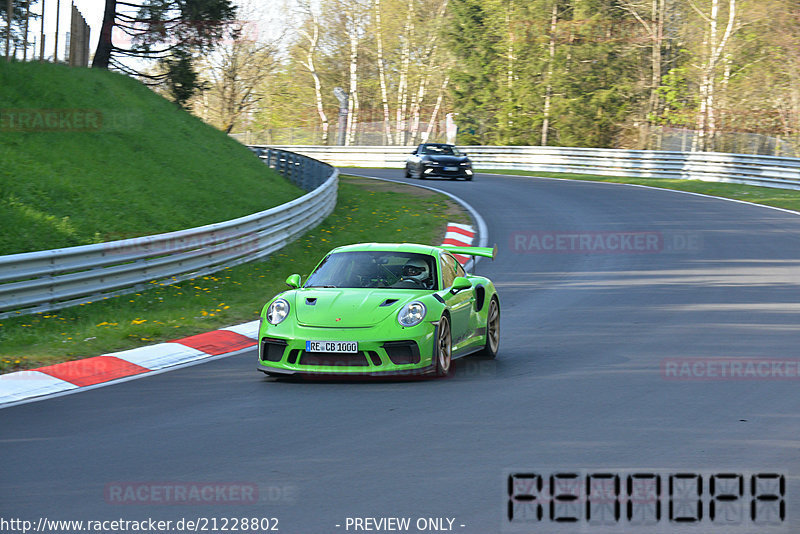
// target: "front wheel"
[[442, 351], [408, 173], [492, 330]]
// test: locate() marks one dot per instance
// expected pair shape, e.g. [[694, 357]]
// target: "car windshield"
[[376, 269], [440, 150]]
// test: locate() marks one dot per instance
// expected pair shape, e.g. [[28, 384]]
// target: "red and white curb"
[[91, 372], [66, 376], [459, 235]]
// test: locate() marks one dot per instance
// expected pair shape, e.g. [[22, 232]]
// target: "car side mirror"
[[460, 284], [293, 281]]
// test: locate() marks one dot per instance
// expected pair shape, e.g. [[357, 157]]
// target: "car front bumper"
[[461, 172], [409, 351]]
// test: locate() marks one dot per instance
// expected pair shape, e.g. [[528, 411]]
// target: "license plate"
[[331, 346], [451, 168]]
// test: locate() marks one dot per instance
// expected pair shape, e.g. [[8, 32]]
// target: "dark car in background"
[[438, 159]]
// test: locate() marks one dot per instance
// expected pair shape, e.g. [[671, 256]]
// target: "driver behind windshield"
[[417, 270]]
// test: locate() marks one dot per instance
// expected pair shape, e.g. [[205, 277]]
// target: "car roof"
[[389, 247]]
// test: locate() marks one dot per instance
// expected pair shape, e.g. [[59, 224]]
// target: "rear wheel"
[[442, 351], [492, 330]]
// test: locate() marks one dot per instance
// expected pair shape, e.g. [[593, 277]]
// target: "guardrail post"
[[305, 172]]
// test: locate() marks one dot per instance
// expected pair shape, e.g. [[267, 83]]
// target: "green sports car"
[[381, 309]]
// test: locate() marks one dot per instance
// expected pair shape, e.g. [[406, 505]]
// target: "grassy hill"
[[88, 156]]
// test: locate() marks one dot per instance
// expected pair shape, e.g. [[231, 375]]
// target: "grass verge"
[[88, 156], [367, 210], [780, 198]]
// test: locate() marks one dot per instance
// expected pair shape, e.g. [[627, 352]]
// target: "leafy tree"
[[545, 68], [602, 73], [170, 32], [472, 38], [16, 36], [181, 78]]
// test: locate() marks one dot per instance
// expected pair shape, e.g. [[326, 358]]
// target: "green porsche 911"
[[381, 309]]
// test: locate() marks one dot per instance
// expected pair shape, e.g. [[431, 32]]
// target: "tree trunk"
[[416, 105], [659, 8], [387, 127], [438, 105], [102, 55], [510, 72], [402, 86], [428, 67], [313, 39], [352, 115], [713, 49], [27, 20], [9, 17], [548, 92]]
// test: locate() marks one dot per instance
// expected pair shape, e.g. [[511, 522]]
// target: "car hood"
[[347, 307], [445, 160]]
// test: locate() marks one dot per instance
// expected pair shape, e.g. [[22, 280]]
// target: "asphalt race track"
[[610, 361]]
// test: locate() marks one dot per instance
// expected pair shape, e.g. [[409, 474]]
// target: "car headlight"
[[464, 163], [431, 163], [412, 314], [277, 311]]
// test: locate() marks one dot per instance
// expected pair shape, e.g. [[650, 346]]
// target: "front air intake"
[[272, 349], [402, 352]]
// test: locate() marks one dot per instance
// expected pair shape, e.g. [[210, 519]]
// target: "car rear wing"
[[486, 252]]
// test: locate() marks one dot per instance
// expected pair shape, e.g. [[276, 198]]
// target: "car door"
[[459, 304], [413, 162], [474, 317]]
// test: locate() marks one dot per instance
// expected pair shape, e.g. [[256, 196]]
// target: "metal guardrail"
[[52, 279], [768, 171]]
